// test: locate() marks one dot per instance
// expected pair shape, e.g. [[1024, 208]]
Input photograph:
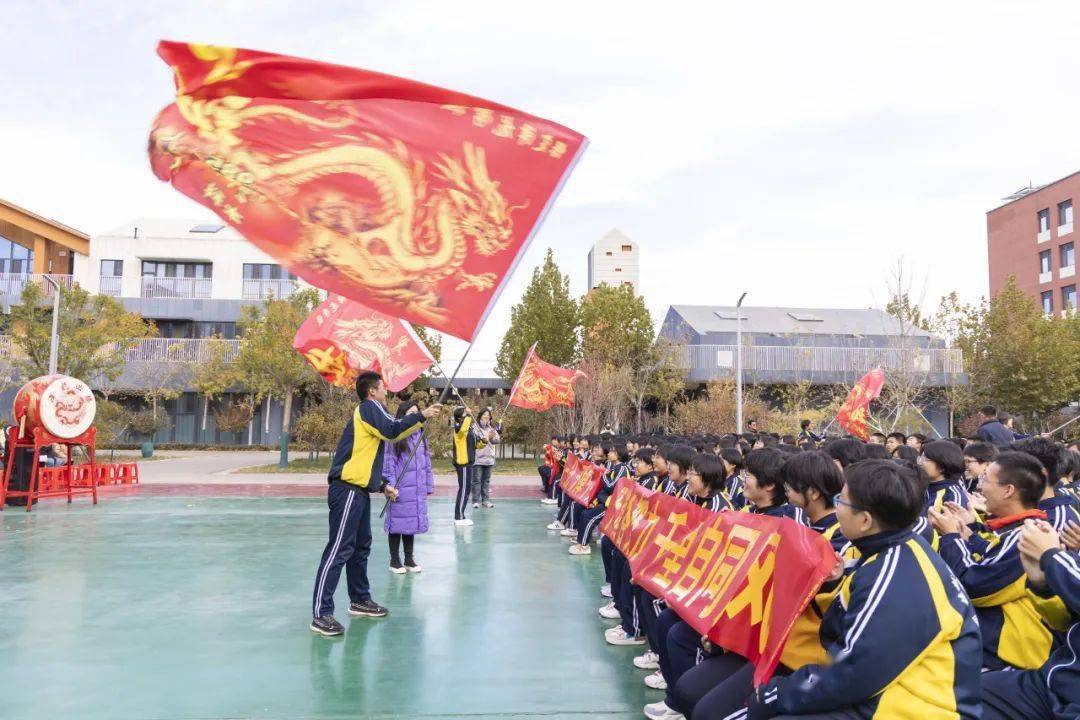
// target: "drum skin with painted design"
[[63, 406]]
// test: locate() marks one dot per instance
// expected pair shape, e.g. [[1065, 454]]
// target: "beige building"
[[614, 260]]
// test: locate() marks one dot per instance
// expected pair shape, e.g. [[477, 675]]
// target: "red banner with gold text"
[[541, 385], [415, 200], [741, 579], [581, 480]]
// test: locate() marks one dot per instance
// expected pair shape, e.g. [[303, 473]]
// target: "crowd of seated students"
[[956, 590]]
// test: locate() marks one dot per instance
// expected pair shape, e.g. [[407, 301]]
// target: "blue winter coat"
[[408, 514]]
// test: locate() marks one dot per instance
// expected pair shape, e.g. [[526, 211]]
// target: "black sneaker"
[[368, 608], [327, 625]]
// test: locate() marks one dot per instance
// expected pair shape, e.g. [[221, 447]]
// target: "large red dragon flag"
[[341, 338], [852, 415], [414, 200], [541, 385], [581, 480]]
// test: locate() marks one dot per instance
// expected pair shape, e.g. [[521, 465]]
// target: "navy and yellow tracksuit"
[[1061, 509], [357, 469], [1013, 632], [590, 518], [943, 491], [466, 440], [791, 512], [733, 487], [902, 637], [1052, 691], [713, 502]]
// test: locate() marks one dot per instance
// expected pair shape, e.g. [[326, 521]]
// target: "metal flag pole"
[[423, 436], [916, 409], [1063, 426]]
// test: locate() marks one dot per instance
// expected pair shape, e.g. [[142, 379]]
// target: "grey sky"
[[793, 149]]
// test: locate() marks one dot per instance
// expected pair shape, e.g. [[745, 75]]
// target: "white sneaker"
[[476, 506], [463, 523], [576, 549], [568, 532], [621, 638], [656, 681], [556, 525], [605, 590], [609, 612], [549, 501], [488, 504], [661, 711], [414, 568], [648, 661], [399, 570]]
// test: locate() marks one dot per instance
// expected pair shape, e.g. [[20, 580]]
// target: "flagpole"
[[513, 388], [442, 396], [1063, 426]]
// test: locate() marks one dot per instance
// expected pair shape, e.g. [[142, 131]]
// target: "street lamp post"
[[738, 364], [53, 339]]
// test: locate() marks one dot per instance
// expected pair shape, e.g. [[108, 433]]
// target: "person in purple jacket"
[[407, 516]]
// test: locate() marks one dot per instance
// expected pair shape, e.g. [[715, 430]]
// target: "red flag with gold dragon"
[[414, 200], [853, 413], [341, 338], [541, 385]]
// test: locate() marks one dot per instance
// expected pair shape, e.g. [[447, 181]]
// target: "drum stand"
[[38, 439]]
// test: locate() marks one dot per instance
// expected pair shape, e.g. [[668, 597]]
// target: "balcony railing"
[[110, 285], [12, 284], [174, 287], [717, 361], [266, 289], [181, 350]]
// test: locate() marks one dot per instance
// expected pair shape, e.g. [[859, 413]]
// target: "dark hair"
[[767, 441], [481, 415], [873, 451], [877, 434], [918, 436], [897, 436], [624, 454], [401, 446], [365, 381], [981, 451], [804, 423], [846, 451], [645, 455], [1003, 417], [606, 447], [711, 470], [1023, 472], [890, 491], [732, 457], [906, 453], [813, 469], [947, 456], [1046, 451], [787, 440], [988, 411], [1070, 465], [681, 455], [767, 466]]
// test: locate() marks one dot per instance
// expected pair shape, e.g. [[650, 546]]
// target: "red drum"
[[63, 406]]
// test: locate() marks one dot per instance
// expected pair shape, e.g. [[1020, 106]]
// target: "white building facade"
[[614, 260]]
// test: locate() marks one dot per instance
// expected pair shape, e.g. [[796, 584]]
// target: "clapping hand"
[[1071, 536], [944, 522], [1036, 538]]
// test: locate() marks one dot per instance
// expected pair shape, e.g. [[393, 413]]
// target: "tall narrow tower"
[[614, 260]]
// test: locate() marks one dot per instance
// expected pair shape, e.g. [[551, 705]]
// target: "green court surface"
[[174, 607]]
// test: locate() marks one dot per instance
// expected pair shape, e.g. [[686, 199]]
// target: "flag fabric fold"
[[853, 414], [581, 480], [342, 338], [541, 385], [414, 200], [739, 578]]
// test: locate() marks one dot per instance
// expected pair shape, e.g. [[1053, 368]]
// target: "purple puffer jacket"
[[408, 514]]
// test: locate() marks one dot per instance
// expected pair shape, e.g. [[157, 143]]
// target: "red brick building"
[[1031, 238]]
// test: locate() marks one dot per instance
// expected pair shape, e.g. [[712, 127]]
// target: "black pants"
[[464, 485], [348, 546], [715, 687], [1015, 695], [606, 549], [588, 521], [648, 607], [545, 479], [396, 539]]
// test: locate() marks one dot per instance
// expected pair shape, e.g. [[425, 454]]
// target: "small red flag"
[[341, 338], [581, 480], [414, 200], [541, 385], [852, 415]]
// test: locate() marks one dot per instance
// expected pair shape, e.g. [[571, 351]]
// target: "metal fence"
[[176, 287], [181, 350], [720, 359], [12, 284], [266, 289]]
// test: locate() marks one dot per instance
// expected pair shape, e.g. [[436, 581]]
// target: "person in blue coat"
[[407, 516]]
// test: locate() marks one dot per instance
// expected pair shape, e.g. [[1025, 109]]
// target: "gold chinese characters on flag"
[[541, 385], [415, 200], [853, 414], [341, 338]]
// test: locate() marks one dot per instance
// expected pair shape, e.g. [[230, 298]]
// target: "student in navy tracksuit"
[[466, 440], [356, 470], [733, 484], [901, 634], [943, 465], [1052, 691], [619, 467], [764, 485], [629, 630]]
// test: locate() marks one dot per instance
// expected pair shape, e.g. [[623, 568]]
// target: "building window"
[[1048, 302], [153, 268], [1044, 220], [608, 253], [1065, 213], [628, 248], [1044, 261], [1068, 257], [14, 258], [112, 268], [1068, 297], [266, 271]]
